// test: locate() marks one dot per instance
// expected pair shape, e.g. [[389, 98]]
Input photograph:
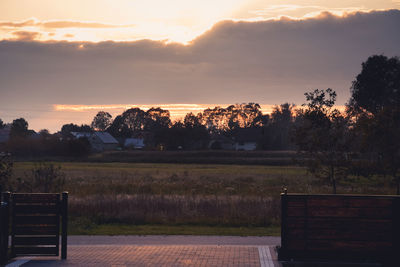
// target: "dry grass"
[[187, 194], [174, 209]]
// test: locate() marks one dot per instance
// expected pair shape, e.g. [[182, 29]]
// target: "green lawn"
[[123, 229]]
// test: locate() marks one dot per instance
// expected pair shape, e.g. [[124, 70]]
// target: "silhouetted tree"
[[192, 120], [134, 119], [1, 124], [375, 109], [281, 123], [19, 128], [219, 120], [377, 86], [118, 128], [321, 137], [44, 133], [101, 121], [157, 118], [66, 129]]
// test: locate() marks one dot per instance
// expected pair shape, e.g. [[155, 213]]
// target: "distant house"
[[246, 145], [246, 139], [134, 143], [221, 142], [102, 141], [99, 141], [77, 135]]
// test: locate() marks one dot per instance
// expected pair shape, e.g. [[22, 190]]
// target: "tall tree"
[[281, 126], [101, 121], [321, 137], [19, 128], [1, 124], [377, 86], [157, 118], [375, 108], [134, 119]]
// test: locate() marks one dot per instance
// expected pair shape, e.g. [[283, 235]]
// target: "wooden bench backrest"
[[340, 227], [36, 224]]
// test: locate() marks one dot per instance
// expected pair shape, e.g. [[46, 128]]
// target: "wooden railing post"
[[283, 225], [64, 225]]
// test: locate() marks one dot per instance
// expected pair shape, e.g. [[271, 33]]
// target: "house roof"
[[81, 134], [106, 138]]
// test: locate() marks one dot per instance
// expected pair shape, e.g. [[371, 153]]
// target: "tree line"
[[362, 141]]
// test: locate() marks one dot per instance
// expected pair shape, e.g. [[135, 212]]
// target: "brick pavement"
[[157, 255]]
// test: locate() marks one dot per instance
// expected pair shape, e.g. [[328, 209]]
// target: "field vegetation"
[[150, 198]]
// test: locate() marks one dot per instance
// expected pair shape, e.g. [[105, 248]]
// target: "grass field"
[[151, 198]]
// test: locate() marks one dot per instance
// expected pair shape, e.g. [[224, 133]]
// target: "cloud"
[[307, 10], [55, 24], [269, 62], [68, 35], [11, 24], [78, 24], [25, 35]]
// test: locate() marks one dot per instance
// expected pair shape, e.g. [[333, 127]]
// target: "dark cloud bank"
[[267, 62]]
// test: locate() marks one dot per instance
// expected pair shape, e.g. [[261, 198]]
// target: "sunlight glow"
[[169, 21], [177, 111]]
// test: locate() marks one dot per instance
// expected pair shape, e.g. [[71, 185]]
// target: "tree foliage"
[[66, 129], [375, 109], [101, 121], [278, 130], [321, 136], [377, 86], [19, 128]]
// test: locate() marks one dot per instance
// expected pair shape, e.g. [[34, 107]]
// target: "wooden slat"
[[355, 224], [39, 219], [35, 240], [326, 201], [340, 223], [340, 226], [350, 246], [36, 198], [349, 235], [296, 233], [37, 230], [345, 212], [296, 212], [36, 209], [295, 201], [36, 251]]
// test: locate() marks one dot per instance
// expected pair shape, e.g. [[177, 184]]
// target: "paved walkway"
[[121, 251]]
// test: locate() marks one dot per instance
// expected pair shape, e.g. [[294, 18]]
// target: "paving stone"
[[174, 255]]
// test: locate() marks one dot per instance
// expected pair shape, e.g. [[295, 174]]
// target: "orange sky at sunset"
[[174, 20], [63, 61]]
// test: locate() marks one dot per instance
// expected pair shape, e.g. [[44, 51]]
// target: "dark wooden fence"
[[340, 227], [36, 221]]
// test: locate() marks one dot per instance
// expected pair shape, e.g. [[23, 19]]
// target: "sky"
[[56, 56]]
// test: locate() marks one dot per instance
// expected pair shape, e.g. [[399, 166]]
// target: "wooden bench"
[[340, 228], [36, 220]]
